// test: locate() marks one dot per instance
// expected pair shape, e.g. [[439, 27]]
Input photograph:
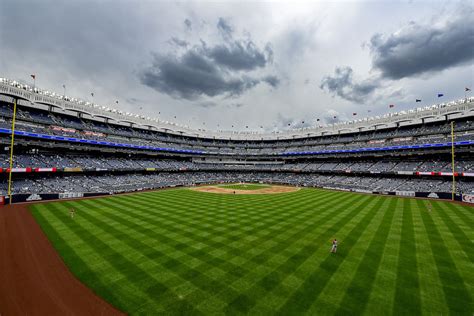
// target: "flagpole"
[[452, 160], [11, 153]]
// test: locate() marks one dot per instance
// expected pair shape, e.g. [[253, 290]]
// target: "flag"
[[354, 113], [391, 106], [440, 95], [467, 89], [418, 100], [33, 76]]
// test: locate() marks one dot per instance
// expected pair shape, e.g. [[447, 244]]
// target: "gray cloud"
[[235, 105], [224, 28], [240, 55], [192, 76], [207, 70], [188, 24], [178, 42], [418, 49], [342, 85], [206, 104], [287, 122]]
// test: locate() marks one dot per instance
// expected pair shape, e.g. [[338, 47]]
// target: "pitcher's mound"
[[271, 189]]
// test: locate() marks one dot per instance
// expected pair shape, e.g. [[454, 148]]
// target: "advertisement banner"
[[405, 172], [420, 173], [72, 169], [70, 195], [468, 198], [448, 174], [19, 170], [405, 193], [45, 169]]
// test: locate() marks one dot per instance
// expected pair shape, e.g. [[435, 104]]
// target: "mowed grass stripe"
[[357, 294], [273, 279], [450, 210], [60, 213], [432, 298], [407, 294], [459, 234], [309, 291], [74, 259], [333, 292], [135, 215], [382, 296], [123, 261], [457, 297], [459, 244], [196, 277], [464, 213], [175, 263], [213, 230], [274, 249], [258, 251]]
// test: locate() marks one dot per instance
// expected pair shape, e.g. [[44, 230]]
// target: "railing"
[[36, 96]]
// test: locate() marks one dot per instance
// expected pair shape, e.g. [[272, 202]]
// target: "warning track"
[[34, 280]]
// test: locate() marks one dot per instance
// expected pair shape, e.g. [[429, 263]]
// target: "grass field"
[[244, 186], [184, 252]]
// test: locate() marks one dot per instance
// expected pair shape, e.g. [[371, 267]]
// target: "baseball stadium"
[[109, 210]]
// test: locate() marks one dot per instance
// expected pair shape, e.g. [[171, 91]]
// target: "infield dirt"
[[274, 189]]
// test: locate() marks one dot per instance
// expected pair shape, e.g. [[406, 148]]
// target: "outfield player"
[[334, 246], [72, 212]]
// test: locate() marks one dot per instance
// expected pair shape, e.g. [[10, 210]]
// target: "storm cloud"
[[225, 69], [239, 55], [343, 85], [417, 49], [193, 75]]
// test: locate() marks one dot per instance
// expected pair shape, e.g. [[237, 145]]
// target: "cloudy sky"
[[232, 64]]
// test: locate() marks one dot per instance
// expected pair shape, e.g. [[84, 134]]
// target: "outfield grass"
[[184, 252], [244, 186]]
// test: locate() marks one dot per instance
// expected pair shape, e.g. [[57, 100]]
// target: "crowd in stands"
[[37, 121], [83, 161], [113, 183]]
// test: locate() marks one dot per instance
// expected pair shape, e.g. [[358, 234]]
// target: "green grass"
[[244, 186], [184, 252]]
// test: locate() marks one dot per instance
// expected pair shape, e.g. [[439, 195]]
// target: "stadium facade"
[[65, 147]]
